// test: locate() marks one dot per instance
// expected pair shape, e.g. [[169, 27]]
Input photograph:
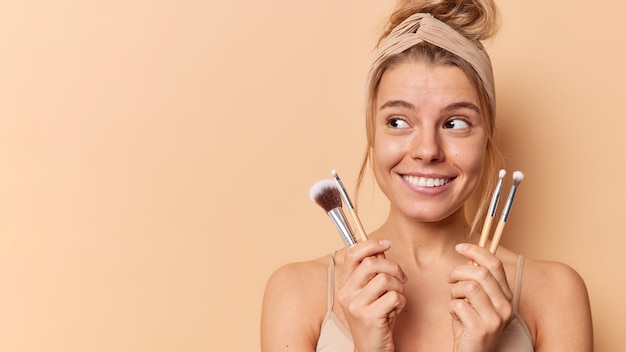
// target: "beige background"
[[156, 158]]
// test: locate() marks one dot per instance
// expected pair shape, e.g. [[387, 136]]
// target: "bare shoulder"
[[294, 305], [544, 278], [552, 282], [298, 278], [555, 304], [552, 270]]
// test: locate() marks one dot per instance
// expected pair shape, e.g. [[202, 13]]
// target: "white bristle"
[[319, 186], [518, 176], [334, 173], [326, 194], [502, 173]]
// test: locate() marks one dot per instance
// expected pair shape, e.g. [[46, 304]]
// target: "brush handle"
[[484, 235], [344, 193], [359, 226], [339, 219], [348, 202], [496, 237]]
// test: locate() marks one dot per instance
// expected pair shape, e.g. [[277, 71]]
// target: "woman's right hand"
[[371, 294]]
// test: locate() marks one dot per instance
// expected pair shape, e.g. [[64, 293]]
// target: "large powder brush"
[[326, 194]]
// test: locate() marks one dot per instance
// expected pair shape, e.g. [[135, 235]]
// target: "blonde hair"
[[475, 20]]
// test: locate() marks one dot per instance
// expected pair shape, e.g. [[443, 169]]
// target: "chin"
[[433, 215]]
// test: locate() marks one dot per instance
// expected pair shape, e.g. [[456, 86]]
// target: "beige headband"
[[423, 27]]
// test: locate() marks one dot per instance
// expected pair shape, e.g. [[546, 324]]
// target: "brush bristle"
[[334, 173], [326, 195], [518, 176], [501, 174]]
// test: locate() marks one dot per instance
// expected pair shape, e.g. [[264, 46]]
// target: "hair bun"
[[475, 19]]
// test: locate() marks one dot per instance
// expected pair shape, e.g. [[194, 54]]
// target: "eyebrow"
[[451, 107], [462, 105], [397, 103]]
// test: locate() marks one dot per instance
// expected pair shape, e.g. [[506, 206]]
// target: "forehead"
[[421, 83]]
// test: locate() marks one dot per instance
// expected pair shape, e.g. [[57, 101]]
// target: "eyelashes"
[[397, 122], [454, 123]]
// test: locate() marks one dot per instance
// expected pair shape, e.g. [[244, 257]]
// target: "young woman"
[[421, 282]]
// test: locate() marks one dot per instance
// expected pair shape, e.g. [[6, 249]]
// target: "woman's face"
[[429, 140]]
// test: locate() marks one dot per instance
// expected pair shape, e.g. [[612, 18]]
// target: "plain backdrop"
[[156, 158]]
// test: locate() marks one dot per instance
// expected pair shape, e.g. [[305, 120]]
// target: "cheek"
[[466, 149], [471, 156], [388, 151]]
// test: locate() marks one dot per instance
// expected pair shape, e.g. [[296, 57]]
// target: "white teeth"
[[426, 181]]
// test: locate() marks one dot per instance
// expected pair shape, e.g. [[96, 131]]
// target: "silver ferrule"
[[509, 204], [339, 219], [344, 193], [494, 199]]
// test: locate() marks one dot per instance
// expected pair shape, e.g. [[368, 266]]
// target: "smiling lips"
[[426, 181]]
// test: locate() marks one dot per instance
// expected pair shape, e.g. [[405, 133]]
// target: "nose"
[[426, 145]]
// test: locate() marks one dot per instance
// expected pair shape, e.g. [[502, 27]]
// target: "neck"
[[424, 244]]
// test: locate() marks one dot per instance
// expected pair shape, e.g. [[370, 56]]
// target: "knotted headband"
[[423, 27]]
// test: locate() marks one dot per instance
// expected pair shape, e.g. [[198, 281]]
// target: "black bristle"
[[326, 195]]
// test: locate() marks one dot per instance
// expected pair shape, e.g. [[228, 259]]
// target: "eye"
[[456, 123], [397, 122]]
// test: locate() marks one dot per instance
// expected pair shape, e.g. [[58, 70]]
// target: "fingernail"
[[385, 243], [461, 247]]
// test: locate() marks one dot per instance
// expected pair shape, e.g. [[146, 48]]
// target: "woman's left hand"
[[480, 300]]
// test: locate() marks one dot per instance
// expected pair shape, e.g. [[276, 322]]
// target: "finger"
[[481, 302], [483, 292], [356, 253], [381, 299], [462, 312], [381, 284], [485, 259], [386, 307], [370, 268], [472, 309], [481, 287]]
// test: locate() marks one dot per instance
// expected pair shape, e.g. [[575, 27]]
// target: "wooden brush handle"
[[496, 237], [484, 235], [359, 226]]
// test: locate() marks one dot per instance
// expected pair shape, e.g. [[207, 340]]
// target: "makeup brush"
[[518, 176], [491, 213], [327, 196], [348, 203]]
